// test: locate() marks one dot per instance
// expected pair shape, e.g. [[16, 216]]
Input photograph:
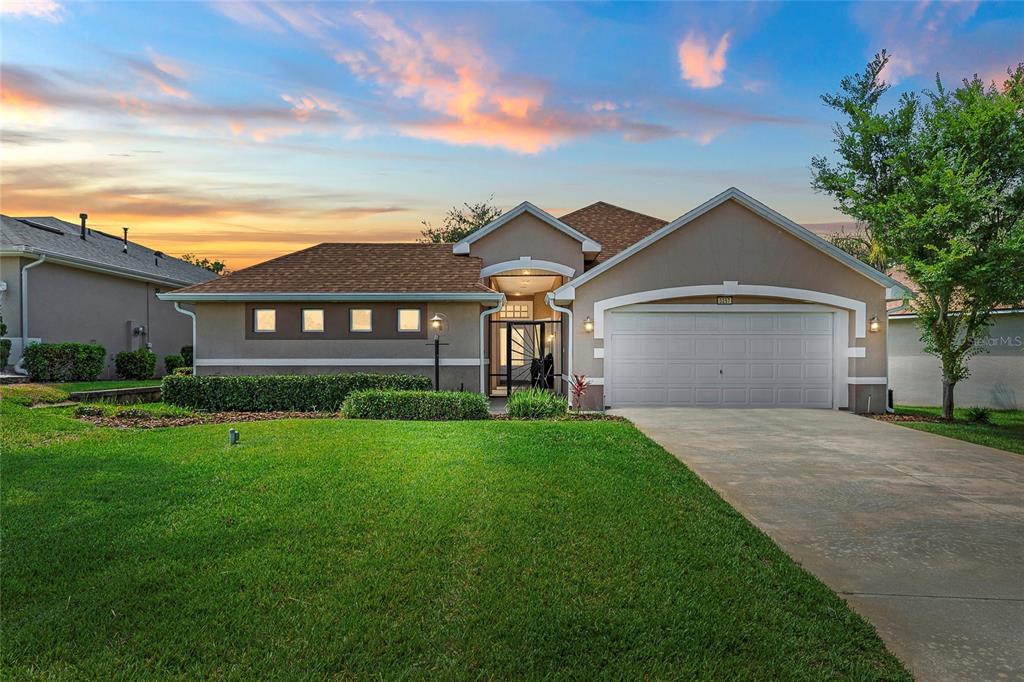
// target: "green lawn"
[[1006, 431], [334, 548], [73, 386]]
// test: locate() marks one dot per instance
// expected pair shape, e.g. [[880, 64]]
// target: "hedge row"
[[418, 405], [135, 364], [299, 393], [64, 361]]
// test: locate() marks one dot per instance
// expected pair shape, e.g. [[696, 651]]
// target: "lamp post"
[[438, 325]]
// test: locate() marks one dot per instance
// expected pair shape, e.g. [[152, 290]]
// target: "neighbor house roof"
[[616, 228], [61, 242], [350, 270]]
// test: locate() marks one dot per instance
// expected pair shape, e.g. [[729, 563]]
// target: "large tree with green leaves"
[[460, 222], [939, 180]]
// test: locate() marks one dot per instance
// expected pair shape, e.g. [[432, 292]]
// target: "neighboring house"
[[997, 372], [65, 282], [731, 304]]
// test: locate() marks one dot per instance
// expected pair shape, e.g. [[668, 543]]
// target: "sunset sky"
[[243, 130]]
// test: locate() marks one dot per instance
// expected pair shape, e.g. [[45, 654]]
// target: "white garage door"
[[729, 359]]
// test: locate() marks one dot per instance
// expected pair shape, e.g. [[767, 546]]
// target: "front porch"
[[525, 341]]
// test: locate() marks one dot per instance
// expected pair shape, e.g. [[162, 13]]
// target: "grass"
[[345, 548], [31, 394], [73, 386], [1006, 432]]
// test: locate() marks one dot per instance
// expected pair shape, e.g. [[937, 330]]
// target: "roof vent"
[[158, 254], [125, 249], [84, 217]]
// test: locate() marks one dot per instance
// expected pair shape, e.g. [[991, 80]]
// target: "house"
[[64, 282], [997, 371], [730, 304]]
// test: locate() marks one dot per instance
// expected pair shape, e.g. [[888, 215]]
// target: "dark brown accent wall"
[[336, 321]]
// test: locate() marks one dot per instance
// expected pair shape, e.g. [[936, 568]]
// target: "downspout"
[[483, 368], [19, 368], [192, 314], [549, 298]]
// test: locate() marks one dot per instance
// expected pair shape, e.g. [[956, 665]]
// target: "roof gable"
[[566, 292], [587, 244], [616, 228]]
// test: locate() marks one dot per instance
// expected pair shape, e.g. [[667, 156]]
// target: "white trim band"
[[867, 381], [352, 296], [527, 263], [335, 362], [859, 308], [856, 352]]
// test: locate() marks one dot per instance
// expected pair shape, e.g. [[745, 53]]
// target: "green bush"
[[5, 352], [182, 372], [89, 411], [420, 405], [536, 403], [978, 415], [270, 393], [135, 364], [57, 362], [172, 363], [186, 355]]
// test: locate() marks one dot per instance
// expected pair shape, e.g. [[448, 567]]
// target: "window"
[[360, 320], [312, 320], [264, 320], [516, 311], [408, 319]]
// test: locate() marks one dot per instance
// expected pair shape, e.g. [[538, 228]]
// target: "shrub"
[[420, 405], [186, 355], [536, 403], [182, 372], [978, 415], [268, 393], [89, 411], [132, 413], [5, 352], [135, 364], [172, 363], [64, 361]]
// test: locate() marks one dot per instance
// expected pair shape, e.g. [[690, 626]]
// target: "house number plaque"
[[725, 300]]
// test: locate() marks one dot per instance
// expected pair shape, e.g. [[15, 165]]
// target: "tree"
[[862, 245], [460, 222], [214, 266], [939, 180]]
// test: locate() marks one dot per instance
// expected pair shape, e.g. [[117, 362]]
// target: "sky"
[[241, 130]]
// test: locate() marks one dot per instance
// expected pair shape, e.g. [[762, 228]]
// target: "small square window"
[[264, 319], [408, 319], [312, 320], [360, 320]]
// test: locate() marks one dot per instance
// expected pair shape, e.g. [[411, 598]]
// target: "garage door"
[[729, 359]]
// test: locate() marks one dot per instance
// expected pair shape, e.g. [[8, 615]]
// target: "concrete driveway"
[[922, 535]]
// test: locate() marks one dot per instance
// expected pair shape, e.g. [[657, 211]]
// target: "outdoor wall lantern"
[[874, 325], [588, 325], [437, 324]]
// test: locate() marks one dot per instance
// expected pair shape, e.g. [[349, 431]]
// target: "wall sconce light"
[[874, 325], [588, 325]]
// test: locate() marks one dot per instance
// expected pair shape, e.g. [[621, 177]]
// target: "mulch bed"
[[200, 418], [911, 418]]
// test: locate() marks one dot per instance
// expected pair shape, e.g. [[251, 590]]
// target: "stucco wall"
[[10, 302], [997, 376], [222, 328], [69, 304], [731, 243], [526, 235]]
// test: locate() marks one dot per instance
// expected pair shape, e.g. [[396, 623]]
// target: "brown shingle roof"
[[613, 227], [355, 268]]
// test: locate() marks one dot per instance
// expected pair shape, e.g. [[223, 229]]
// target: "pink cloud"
[[49, 10], [701, 66]]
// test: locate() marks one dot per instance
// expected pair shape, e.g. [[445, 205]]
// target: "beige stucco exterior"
[[997, 374], [68, 304], [225, 345], [526, 235], [731, 243]]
